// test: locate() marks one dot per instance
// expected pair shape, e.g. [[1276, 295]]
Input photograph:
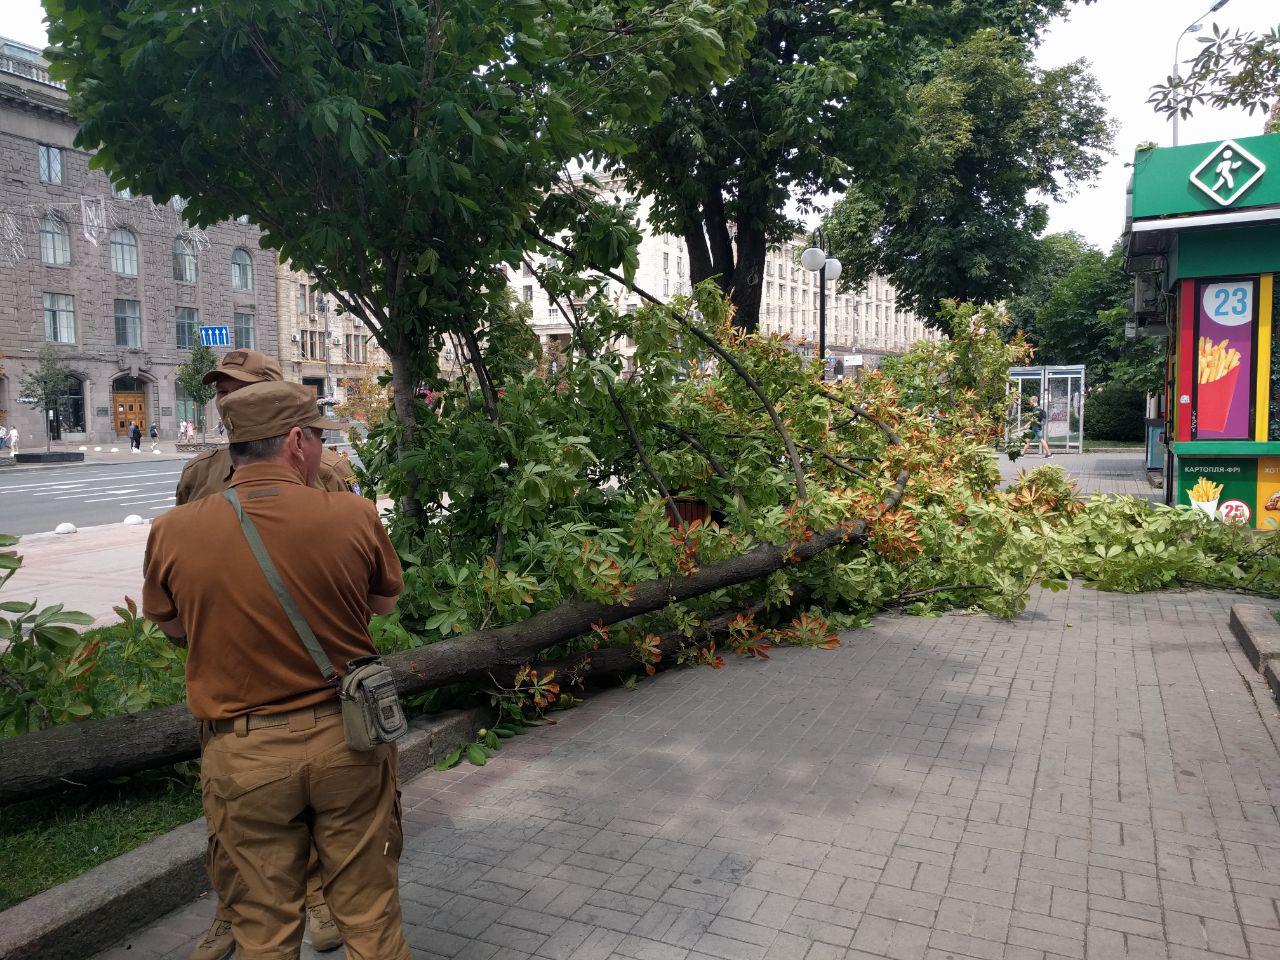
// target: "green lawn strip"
[[48, 840], [1107, 444]]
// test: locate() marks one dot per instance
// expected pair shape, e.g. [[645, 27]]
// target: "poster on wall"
[[1268, 516], [1224, 488], [1223, 375]]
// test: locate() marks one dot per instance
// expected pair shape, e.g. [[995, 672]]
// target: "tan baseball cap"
[[263, 410], [249, 366]]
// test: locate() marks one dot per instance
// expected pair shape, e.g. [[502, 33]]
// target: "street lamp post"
[[1177, 61], [322, 304], [816, 260]]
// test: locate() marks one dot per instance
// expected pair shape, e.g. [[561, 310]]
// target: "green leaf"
[[449, 760], [476, 754]]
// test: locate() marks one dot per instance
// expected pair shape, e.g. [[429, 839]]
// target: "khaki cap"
[[263, 410], [249, 366]]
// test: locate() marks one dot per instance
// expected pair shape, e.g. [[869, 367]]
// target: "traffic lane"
[[36, 501]]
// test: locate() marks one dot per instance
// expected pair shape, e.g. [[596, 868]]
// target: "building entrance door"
[[128, 404], [129, 410]]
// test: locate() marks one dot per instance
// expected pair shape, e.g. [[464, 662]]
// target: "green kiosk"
[[1203, 246]]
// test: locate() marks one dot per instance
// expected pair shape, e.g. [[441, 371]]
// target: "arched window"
[[184, 261], [55, 242], [241, 270], [124, 253]]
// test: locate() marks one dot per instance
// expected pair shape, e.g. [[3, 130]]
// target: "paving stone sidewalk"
[[1098, 779], [1117, 472]]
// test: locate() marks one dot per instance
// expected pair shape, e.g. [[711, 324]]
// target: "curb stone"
[[1256, 629], [90, 912]]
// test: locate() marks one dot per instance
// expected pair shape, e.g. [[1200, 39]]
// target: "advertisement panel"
[[1268, 499], [1225, 488], [1222, 381]]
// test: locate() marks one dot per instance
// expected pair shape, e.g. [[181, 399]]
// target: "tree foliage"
[[995, 135], [1074, 309], [824, 100], [1233, 68], [43, 384], [397, 151]]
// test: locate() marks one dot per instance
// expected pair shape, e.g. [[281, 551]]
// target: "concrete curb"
[[1256, 629], [98, 908]]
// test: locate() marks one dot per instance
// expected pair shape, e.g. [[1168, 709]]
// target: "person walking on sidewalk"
[[1035, 421], [208, 475], [135, 438], [279, 782], [13, 441]]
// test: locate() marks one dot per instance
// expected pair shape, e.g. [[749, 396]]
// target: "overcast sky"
[[1130, 44]]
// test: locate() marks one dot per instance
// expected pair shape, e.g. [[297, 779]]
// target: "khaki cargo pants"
[[269, 795]]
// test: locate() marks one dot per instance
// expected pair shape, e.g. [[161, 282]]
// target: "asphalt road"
[[36, 501]]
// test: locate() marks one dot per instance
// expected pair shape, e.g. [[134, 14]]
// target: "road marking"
[[80, 481], [127, 503]]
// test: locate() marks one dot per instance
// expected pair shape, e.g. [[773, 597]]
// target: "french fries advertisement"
[[1216, 360], [1222, 488], [1224, 360]]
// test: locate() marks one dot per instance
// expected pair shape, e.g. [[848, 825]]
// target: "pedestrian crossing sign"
[[215, 336], [1228, 172]]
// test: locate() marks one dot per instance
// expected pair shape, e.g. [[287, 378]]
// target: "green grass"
[[1104, 444], [48, 840]]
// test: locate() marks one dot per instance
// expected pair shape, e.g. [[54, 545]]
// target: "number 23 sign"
[[1228, 304]]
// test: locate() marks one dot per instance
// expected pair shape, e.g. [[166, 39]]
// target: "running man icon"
[[1226, 171]]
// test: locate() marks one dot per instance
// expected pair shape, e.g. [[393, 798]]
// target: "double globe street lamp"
[[817, 260]]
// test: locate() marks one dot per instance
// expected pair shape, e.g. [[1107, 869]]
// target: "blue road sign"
[[215, 336]]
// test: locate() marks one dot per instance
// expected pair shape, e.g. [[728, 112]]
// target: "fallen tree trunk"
[[78, 753]]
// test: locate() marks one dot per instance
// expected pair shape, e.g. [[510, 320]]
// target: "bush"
[[1115, 413]]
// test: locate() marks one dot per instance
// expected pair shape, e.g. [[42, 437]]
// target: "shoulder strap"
[[281, 591]]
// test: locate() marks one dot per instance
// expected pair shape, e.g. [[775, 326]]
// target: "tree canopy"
[[825, 99], [1233, 68], [398, 151], [995, 135], [1073, 309]]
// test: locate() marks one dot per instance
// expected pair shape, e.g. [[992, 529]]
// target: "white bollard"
[[133, 519], [83, 449], [65, 528], [97, 449], [156, 452], [115, 449]]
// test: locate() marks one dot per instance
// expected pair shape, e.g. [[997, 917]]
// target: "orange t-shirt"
[[243, 655]]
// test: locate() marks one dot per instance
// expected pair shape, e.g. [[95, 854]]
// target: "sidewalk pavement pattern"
[[1096, 780], [90, 570], [1114, 473]]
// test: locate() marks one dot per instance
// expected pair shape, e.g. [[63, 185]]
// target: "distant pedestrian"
[[13, 440], [1035, 421], [182, 430], [4, 437], [135, 438], [155, 431], [220, 429]]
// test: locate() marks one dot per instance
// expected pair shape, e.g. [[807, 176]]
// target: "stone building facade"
[[117, 285], [321, 345], [862, 325]]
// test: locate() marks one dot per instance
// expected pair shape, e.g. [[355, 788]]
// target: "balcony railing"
[[32, 71]]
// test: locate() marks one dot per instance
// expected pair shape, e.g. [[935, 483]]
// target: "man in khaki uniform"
[[278, 776], [208, 475], [210, 472]]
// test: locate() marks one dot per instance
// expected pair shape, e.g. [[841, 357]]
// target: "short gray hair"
[[253, 451]]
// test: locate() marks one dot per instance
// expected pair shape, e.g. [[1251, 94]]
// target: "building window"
[[55, 242], [121, 193], [186, 319], [526, 270], [184, 262], [128, 324], [357, 348], [241, 270], [679, 265], [59, 318], [527, 293], [184, 406], [244, 332], [302, 298], [50, 164], [67, 410], [124, 253]]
